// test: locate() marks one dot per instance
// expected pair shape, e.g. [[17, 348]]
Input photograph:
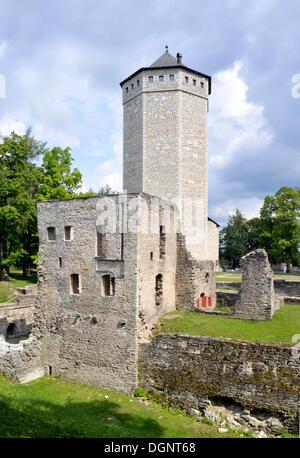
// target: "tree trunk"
[[288, 265]]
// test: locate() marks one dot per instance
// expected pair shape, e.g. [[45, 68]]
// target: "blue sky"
[[63, 60]]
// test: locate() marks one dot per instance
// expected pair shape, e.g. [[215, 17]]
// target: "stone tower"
[[165, 141]]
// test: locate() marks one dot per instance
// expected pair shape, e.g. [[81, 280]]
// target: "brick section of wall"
[[186, 371]]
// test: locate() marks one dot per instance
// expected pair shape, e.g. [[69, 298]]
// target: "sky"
[[61, 63]]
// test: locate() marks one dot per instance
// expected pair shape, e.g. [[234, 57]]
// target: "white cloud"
[[249, 207], [3, 46], [7, 125], [234, 121]]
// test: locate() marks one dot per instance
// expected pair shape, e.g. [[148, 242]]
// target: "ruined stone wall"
[[86, 337], [193, 278], [152, 263], [20, 361], [256, 296], [290, 288], [192, 371], [21, 317]]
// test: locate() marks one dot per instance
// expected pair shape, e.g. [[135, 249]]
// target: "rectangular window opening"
[[60, 262], [75, 286], [108, 285], [161, 78], [171, 77], [150, 79], [186, 79], [51, 233], [68, 233], [194, 82]]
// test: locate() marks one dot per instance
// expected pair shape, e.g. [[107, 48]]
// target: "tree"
[[233, 239], [59, 181], [255, 239], [22, 183], [280, 223], [19, 182]]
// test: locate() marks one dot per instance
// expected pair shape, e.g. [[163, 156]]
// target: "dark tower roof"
[[169, 61], [166, 60]]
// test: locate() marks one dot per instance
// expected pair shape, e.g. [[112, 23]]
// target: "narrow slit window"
[[158, 290], [202, 84], [75, 284], [101, 244], [51, 233], [162, 242], [186, 79], [194, 82], [60, 262]]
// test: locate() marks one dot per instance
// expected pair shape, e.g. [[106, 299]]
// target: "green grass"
[[281, 328], [50, 407], [8, 288]]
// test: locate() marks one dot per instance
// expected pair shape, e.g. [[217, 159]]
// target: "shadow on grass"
[[41, 419], [18, 278]]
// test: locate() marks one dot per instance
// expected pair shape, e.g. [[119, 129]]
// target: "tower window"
[[186, 79], [75, 286], [108, 285], [132, 86], [138, 82], [202, 84], [60, 262], [194, 82], [161, 78], [68, 233], [171, 77], [51, 233], [150, 79], [126, 90]]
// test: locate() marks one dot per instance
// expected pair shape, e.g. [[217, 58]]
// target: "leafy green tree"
[[233, 239], [59, 181], [19, 182], [254, 234], [280, 223]]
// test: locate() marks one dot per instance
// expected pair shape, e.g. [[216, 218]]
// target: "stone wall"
[[192, 372], [20, 361], [283, 287], [18, 319], [213, 243], [193, 278], [256, 299], [289, 288]]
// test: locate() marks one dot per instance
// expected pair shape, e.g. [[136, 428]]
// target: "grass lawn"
[[283, 325], [50, 407], [8, 288]]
